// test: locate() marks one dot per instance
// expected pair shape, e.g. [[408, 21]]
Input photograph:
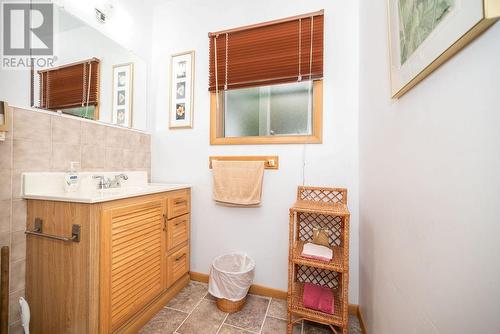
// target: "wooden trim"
[[216, 122], [491, 9], [361, 321], [268, 292], [270, 161], [5, 126], [491, 15], [263, 24], [69, 64], [198, 277]]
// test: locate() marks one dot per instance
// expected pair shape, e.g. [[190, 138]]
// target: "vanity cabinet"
[[131, 258]]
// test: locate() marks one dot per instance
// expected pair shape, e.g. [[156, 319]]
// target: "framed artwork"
[[423, 34], [181, 90], [123, 90]]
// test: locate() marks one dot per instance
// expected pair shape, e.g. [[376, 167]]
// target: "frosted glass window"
[[284, 109]]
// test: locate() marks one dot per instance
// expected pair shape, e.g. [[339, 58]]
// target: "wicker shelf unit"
[[323, 207]]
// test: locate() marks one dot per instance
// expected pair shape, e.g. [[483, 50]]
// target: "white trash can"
[[230, 278]]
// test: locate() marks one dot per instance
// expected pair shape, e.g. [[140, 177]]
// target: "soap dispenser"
[[71, 179]]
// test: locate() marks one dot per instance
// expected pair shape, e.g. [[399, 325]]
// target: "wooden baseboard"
[[270, 292], [361, 322], [254, 289]]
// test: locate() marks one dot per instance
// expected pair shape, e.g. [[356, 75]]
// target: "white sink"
[[50, 186]]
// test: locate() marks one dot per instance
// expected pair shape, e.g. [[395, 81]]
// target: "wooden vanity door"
[[132, 266]]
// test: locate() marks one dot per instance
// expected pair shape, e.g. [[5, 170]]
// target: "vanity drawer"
[[177, 231], [177, 265], [178, 204]]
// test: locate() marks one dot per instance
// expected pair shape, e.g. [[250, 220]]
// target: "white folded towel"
[[317, 252]]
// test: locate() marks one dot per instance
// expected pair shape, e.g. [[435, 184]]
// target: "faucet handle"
[[121, 176]]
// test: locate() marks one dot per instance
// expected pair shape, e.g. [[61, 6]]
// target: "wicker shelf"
[[325, 208], [337, 209], [300, 310], [336, 264]]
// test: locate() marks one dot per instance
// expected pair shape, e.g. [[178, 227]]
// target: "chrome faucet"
[[104, 182], [107, 183]]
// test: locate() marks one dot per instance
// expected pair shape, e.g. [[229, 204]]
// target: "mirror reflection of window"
[[119, 69]]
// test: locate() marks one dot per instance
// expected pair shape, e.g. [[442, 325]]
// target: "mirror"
[[91, 76]]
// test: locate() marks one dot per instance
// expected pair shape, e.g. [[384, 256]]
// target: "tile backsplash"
[[39, 141]]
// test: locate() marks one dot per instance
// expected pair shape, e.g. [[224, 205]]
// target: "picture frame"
[[444, 27], [181, 102], [123, 92]]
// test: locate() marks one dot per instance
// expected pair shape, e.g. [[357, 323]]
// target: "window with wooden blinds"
[[70, 86], [281, 51]]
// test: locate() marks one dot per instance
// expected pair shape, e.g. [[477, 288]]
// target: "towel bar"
[[270, 161], [75, 232]]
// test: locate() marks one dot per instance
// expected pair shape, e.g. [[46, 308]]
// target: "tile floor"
[[193, 311]]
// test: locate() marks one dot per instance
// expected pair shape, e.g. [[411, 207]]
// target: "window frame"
[[316, 137]]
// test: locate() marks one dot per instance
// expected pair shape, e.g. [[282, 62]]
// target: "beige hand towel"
[[238, 182]]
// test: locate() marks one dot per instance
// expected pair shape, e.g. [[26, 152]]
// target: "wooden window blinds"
[[70, 86], [280, 51]]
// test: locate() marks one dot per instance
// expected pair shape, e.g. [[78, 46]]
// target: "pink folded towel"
[[318, 298], [317, 252]]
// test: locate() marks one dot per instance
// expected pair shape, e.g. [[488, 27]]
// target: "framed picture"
[[181, 90], [423, 34], [123, 90]]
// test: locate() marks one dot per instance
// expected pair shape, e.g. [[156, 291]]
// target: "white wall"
[[182, 155], [429, 190], [130, 24]]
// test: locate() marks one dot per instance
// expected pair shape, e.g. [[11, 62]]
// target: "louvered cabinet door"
[[132, 265]]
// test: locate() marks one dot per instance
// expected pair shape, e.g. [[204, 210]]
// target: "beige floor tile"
[[354, 325], [164, 322], [187, 299], [206, 318], [210, 297], [278, 309], [278, 326], [251, 316], [226, 329]]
